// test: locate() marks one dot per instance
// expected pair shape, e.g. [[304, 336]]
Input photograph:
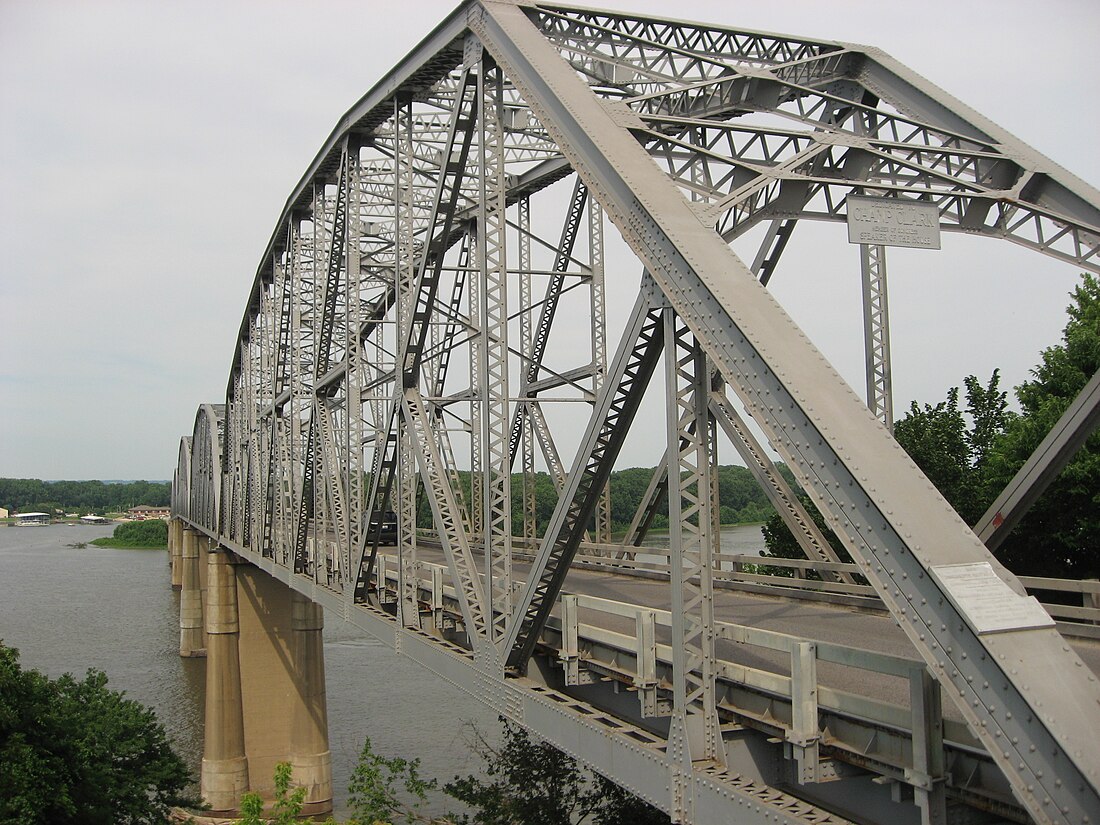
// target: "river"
[[68, 609]]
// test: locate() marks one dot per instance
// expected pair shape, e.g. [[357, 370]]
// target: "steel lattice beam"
[[387, 281], [876, 501]]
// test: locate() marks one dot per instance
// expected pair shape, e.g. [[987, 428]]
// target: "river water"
[[68, 609]]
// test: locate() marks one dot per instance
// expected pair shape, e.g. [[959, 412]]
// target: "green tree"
[[77, 752], [533, 783], [149, 533], [389, 790], [1058, 536], [782, 544], [952, 446], [524, 783]]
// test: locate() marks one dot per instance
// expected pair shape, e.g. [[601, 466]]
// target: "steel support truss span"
[[432, 306]]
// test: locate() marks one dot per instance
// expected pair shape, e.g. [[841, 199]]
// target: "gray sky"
[[147, 149]]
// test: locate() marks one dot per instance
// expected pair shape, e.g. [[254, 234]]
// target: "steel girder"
[[900, 529], [388, 274]]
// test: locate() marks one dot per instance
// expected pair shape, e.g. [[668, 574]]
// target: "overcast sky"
[[148, 147]]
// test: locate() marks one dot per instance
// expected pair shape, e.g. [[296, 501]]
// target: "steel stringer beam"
[[1024, 692], [612, 415]]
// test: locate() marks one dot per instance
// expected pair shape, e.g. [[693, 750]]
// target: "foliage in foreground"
[[533, 782], [526, 782], [285, 808], [78, 752], [151, 533], [389, 789]]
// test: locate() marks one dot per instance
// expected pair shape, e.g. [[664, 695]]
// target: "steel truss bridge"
[[433, 297]]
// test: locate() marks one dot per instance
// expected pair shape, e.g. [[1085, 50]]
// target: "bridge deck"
[[820, 621]]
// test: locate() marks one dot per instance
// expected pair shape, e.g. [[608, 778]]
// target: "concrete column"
[[310, 757], [283, 679], [175, 553], [206, 546], [192, 632], [224, 765]]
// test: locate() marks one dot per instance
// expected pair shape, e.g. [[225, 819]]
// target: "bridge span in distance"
[[430, 319]]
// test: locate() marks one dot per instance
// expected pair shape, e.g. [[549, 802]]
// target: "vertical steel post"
[[696, 733], [803, 735], [493, 311], [645, 675], [927, 775], [527, 438], [599, 345], [876, 332], [407, 567]]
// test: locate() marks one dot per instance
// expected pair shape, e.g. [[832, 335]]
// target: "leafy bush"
[[285, 809], [531, 782], [526, 782], [152, 533], [77, 752]]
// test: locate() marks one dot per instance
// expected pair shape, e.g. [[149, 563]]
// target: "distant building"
[[28, 519], [3, 512], [144, 511], [90, 519]]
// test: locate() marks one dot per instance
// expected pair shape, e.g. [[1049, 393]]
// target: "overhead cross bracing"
[[432, 306]]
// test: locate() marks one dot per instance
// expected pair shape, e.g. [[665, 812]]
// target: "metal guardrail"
[[825, 731], [754, 574]]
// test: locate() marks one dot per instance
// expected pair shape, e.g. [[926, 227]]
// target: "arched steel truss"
[[404, 320]]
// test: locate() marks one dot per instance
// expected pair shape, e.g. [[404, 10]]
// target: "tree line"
[[26, 495], [971, 447], [742, 499]]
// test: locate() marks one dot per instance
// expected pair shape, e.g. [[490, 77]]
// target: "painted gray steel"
[[391, 269]]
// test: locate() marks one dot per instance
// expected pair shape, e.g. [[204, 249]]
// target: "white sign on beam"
[[987, 603], [893, 222]]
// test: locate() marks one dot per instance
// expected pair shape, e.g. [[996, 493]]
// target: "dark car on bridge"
[[388, 532]]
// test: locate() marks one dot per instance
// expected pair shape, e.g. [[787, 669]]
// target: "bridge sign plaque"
[[986, 601], [892, 222]]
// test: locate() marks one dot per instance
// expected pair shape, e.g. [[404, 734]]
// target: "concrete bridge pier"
[[224, 764], [310, 757], [283, 686], [192, 628], [265, 689], [175, 552]]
